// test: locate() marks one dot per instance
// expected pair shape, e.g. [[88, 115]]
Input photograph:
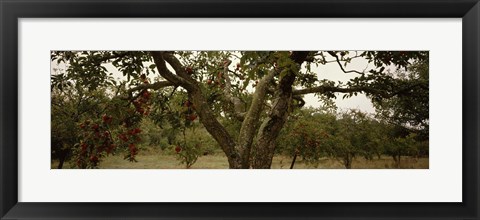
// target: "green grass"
[[151, 159]]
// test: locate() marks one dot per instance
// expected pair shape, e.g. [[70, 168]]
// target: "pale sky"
[[332, 71]]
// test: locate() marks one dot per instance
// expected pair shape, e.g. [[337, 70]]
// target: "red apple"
[[94, 158], [146, 94], [189, 70], [84, 146], [192, 117], [137, 130], [178, 149]]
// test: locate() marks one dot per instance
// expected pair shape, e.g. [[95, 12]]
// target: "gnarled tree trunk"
[[272, 125], [239, 152]]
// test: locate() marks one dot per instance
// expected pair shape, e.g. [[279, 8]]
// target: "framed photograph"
[[250, 110]]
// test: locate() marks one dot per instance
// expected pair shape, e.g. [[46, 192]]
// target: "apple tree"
[[305, 135]]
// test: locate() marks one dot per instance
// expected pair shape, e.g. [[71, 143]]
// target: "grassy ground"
[[157, 160]]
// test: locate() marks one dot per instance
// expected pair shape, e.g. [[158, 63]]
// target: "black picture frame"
[[12, 10]]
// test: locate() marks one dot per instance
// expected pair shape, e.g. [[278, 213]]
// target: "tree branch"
[[340, 65], [324, 89], [159, 60], [178, 67], [154, 86], [114, 55], [363, 89], [238, 106]]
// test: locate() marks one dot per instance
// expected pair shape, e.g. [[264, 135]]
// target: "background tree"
[[306, 135], [70, 105], [349, 138], [410, 107]]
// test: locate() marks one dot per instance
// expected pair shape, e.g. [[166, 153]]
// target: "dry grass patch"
[[155, 159]]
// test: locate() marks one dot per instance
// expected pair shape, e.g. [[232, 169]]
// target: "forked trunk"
[[238, 153], [270, 128]]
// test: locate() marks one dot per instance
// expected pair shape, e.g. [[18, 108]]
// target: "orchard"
[[248, 106]]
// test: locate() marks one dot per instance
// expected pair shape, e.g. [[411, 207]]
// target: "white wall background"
[[441, 183]]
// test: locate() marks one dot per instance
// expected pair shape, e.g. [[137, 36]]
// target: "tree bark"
[[348, 164], [271, 126], [348, 161], [217, 130], [396, 159], [293, 161], [250, 123], [62, 158]]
